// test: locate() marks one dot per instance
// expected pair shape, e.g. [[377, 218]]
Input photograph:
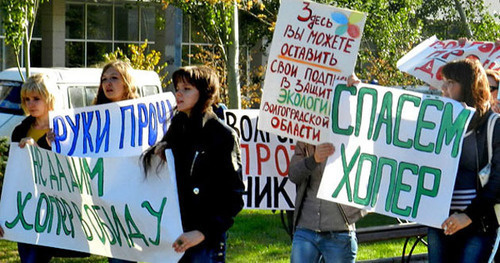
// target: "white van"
[[77, 88]]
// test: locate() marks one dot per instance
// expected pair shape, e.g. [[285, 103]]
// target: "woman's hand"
[[50, 136], [187, 240], [323, 151], [455, 223], [27, 140], [352, 80]]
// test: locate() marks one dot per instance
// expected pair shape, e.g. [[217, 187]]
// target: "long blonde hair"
[[125, 71]]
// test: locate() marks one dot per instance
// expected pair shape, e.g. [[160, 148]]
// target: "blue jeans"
[[310, 246], [204, 253], [467, 245]]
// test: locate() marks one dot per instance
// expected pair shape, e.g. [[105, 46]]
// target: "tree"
[[18, 22], [217, 19]]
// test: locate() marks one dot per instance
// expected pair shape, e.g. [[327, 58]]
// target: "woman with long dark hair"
[[207, 166]]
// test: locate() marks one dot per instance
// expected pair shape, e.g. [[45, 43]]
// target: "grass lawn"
[[258, 236]]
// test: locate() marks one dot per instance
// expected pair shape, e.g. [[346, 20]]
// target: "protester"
[[494, 80], [469, 233], [37, 99], [207, 166], [116, 83], [323, 229]]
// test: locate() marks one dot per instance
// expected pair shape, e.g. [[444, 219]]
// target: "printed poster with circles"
[[313, 46]]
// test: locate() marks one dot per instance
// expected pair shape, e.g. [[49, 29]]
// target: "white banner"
[[102, 206], [124, 128], [265, 158], [396, 152], [426, 60], [313, 46]]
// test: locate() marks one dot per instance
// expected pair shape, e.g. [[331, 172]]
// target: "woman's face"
[[113, 85], [36, 105], [493, 87], [186, 96], [451, 89]]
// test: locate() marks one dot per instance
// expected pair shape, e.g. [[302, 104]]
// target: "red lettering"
[[260, 157], [427, 67]]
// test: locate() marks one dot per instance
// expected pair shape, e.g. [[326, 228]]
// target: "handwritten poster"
[[426, 60], [265, 158], [104, 206], [124, 128], [397, 152], [313, 46]]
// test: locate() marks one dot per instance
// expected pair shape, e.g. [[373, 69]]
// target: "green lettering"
[[451, 129], [421, 190], [158, 214], [400, 186], [336, 111], [347, 170], [402, 99], [372, 159], [359, 109]]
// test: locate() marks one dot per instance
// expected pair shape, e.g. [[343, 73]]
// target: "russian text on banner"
[[426, 60], [104, 206], [124, 128], [265, 158], [313, 46], [396, 152]]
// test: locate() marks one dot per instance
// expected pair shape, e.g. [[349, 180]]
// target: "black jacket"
[[21, 131], [208, 170], [481, 209]]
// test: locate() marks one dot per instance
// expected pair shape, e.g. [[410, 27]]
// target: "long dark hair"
[[475, 90], [125, 71], [206, 81]]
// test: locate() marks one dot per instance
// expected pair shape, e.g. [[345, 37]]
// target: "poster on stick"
[[396, 152], [124, 128], [313, 46], [103, 206], [265, 158], [426, 60]]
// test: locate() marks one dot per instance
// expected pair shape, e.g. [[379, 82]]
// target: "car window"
[[149, 90], [81, 96], [76, 94], [90, 93], [10, 97]]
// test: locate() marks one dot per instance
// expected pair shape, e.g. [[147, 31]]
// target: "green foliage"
[[4, 155], [18, 22], [140, 59]]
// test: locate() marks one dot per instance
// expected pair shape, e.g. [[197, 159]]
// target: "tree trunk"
[[27, 55], [463, 18], [233, 76]]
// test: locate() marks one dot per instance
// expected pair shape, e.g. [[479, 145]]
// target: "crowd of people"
[[209, 182]]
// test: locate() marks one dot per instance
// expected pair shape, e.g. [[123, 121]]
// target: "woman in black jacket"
[[469, 233], [37, 99], [207, 165]]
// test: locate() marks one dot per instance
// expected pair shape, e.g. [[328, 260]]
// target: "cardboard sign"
[[397, 152], [101, 206], [313, 46], [124, 128], [265, 158], [427, 59]]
